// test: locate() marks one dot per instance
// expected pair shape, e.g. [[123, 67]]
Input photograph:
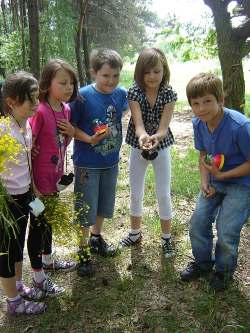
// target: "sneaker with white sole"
[[49, 287], [168, 248], [60, 266]]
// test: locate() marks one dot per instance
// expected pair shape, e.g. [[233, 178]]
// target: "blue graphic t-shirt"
[[97, 107]]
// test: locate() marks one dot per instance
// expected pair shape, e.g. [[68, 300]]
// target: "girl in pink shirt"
[[51, 132], [20, 97]]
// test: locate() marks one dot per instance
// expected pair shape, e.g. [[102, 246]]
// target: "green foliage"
[[10, 51], [187, 42], [116, 24]]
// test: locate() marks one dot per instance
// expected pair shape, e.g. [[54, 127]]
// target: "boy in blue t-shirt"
[[225, 192], [98, 139]]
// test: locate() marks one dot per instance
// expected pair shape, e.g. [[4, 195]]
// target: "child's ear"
[[93, 73], [11, 102], [221, 101]]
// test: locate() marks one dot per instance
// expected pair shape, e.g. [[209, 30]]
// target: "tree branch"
[[243, 31]]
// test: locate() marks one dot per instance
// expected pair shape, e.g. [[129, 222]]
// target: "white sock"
[[165, 237], [39, 276], [47, 259], [134, 234]]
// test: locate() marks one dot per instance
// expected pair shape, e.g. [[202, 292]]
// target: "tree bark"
[[22, 15], [33, 17], [78, 41], [3, 8], [232, 47], [85, 46]]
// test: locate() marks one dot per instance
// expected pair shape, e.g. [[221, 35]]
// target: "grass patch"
[[185, 175]]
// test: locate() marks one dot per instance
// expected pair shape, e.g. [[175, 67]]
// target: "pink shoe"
[[20, 306]]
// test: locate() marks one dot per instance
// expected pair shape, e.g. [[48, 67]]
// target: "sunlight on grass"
[[185, 174]]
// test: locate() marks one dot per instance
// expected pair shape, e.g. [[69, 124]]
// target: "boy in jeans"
[[225, 193], [98, 139]]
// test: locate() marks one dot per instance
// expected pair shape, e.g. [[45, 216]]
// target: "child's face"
[[206, 107], [153, 76], [62, 86], [28, 107], [106, 78]]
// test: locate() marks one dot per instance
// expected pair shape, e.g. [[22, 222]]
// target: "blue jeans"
[[95, 188], [229, 207]]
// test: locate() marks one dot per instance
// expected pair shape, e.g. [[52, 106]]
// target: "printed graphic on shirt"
[[60, 143], [114, 140]]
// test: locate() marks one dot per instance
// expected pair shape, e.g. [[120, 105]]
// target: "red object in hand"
[[99, 127], [217, 160]]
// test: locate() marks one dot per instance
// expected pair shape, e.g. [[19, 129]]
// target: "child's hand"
[[35, 150], [154, 141], [65, 127], [144, 142], [212, 169], [94, 139], [207, 190]]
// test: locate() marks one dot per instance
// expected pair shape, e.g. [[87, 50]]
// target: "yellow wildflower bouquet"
[[60, 213], [9, 150]]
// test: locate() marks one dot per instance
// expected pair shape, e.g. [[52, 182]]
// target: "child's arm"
[[239, 171], [206, 188], [138, 122], [91, 139], [162, 131]]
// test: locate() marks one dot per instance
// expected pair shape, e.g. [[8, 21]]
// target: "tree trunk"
[[3, 8], [78, 41], [85, 46], [22, 15], [230, 50], [33, 17]]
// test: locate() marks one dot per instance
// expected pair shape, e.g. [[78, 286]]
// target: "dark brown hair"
[[149, 58], [202, 84], [101, 56], [49, 72], [19, 87]]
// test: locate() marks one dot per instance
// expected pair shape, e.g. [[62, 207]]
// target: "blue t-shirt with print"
[[231, 138], [108, 109]]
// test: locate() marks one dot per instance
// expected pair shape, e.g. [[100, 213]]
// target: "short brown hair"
[[102, 56], [18, 86], [49, 72], [204, 83], [148, 59]]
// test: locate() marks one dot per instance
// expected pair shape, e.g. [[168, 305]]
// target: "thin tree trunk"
[[33, 17], [78, 41], [3, 8], [86, 52], [22, 15]]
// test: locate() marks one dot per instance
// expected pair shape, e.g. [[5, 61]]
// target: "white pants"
[[162, 171]]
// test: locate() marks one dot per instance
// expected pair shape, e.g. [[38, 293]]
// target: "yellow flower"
[[9, 147]]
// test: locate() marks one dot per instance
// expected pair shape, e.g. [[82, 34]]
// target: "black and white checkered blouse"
[[151, 117]]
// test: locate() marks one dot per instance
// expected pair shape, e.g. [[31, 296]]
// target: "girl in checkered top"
[[151, 100]]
